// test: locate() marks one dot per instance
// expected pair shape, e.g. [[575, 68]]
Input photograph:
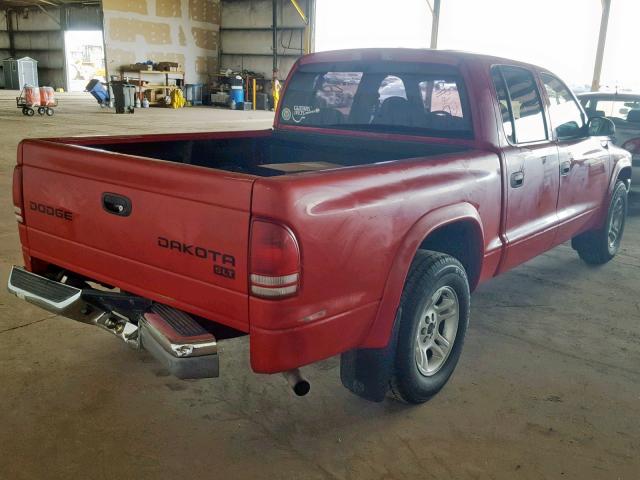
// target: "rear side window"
[[524, 104], [503, 101]]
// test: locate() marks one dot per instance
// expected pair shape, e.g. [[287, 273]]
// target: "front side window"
[[566, 116], [425, 99], [525, 104]]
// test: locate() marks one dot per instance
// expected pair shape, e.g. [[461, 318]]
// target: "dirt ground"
[[548, 385]]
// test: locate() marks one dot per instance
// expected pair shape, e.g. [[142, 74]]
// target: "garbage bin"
[[124, 95], [193, 93]]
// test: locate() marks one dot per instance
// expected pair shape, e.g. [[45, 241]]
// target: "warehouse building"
[[258, 239]]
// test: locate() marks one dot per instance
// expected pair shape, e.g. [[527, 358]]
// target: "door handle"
[[517, 179], [565, 168], [116, 204]]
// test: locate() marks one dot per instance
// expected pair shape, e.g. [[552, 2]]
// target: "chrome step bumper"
[[171, 336]]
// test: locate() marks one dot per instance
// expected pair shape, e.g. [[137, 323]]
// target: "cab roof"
[[449, 57]]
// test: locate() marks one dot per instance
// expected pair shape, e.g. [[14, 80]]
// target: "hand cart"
[[34, 99]]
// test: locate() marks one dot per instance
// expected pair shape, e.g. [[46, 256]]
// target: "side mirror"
[[569, 130], [601, 127]]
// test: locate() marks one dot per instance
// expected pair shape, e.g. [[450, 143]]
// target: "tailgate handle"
[[116, 204]]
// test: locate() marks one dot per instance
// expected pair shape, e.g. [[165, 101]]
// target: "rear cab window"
[[422, 99]]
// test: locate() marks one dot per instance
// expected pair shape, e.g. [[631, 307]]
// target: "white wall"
[[182, 31]]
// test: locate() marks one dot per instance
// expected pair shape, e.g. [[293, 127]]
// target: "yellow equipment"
[[177, 98], [275, 91]]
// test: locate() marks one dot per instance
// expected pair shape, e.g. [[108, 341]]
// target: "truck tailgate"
[[184, 241]]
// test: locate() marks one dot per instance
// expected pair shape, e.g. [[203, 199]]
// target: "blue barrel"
[[237, 92]]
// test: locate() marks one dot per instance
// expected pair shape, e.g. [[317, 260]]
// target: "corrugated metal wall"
[[41, 36], [246, 35]]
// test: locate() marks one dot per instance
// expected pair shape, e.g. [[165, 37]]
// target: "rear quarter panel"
[[352, 226]]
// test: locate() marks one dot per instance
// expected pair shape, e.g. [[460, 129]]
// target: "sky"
[[560, 35]]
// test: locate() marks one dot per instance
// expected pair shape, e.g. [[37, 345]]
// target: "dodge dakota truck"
[[392, 183]]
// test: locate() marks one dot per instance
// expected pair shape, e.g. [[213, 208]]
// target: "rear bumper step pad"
[[51, 295], [171, 336], [179, 342]]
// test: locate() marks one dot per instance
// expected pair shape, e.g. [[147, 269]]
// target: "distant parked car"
[[624, 110]]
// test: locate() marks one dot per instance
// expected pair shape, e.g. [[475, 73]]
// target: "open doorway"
[[84, 57]]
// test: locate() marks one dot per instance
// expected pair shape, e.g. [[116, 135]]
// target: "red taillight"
[[18, 206], [275, 261], [632, 146]]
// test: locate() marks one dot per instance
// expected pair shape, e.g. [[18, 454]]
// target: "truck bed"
[[274, 154]]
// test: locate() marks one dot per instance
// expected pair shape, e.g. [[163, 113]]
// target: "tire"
[[50, 112], [597, 247], [30, 112], [41, 110], [436, 286], [24, 110]]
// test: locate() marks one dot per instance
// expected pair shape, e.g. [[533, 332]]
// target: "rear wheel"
[[433, 322], [599, 246], [41, 110], [30, 112], [50, 112]]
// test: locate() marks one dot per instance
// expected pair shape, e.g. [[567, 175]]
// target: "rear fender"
[[380, 332]]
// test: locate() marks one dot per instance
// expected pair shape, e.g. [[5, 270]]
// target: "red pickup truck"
[[393, 182]]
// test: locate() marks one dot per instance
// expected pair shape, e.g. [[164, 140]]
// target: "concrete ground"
[[548, 385]]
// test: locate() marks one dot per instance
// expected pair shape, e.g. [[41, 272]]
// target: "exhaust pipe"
[[297, 382]]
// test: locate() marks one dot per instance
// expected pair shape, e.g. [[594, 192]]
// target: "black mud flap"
[[367, 371]]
